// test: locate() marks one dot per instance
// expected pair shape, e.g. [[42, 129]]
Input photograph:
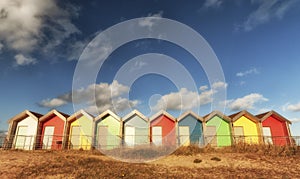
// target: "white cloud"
[[75, 49], [107, 96], [203, 88], [138, 65], [219, 85], [247, 72], [24, 60], [150, 20], [267, 10], [97, 50], [212, 3], [263, 110], [242, 83], [186, 100], [183, 100], [294, 120], [30, 24], [245, 103], [52, 103], [1, 47], [291, 107]]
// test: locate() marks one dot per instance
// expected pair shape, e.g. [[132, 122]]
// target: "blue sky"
[[257, 44]]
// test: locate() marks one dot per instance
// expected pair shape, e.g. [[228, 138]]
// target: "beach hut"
[[162, 129], [135, 129], [108, 130], [218, 129], [246, 127], [51, 130], [190, 129], [79, 130], [276, 128], [23, 130]]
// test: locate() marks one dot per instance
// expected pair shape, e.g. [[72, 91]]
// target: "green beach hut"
[[108, 131], [217, 129]]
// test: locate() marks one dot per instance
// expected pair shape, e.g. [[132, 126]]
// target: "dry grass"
[[240, 161], [193, 150], [269, 150]]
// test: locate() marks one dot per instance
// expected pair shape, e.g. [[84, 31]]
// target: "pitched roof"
[[216, 113], [264, 116], [160, 113], [79, 114], [135, 112], [190, 113], [107, 113], [237, 115], [54, 112], [25, 114]]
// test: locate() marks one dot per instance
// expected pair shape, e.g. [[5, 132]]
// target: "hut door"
[[21, 137], [157, 135], [267, 135], [239, 134], [210, 137], [129, 135], [102, 137], [48, 137], [75, 137], [184, 135]]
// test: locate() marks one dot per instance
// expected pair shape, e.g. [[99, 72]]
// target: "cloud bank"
[[292, 107], [266, 11], [187, 100], [107, 96], [26, 25], [246, 102]]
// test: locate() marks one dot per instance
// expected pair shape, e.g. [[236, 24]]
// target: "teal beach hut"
[[190, 129], [135, 129]]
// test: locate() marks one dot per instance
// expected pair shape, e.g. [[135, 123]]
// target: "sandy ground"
[[87, 164]]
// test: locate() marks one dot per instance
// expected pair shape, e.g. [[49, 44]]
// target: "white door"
[[157, 135], [211, 135], [21, 137], [75, 137], [48, 137], [239, 134], [267, 135], [184, 135], [129, 135]]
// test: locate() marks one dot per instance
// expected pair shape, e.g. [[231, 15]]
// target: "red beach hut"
[[162, 129], [51, 130], [275, 128]]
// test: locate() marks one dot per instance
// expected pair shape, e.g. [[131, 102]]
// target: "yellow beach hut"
[[246, 128], [79, 130]]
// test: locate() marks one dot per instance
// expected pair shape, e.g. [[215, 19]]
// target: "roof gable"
[[108, 113], [216, 113], [133, 113], [52, 113], [25, 114], [236, 116], [162, 113], [80, 113], [184, 115], [266, 115]]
